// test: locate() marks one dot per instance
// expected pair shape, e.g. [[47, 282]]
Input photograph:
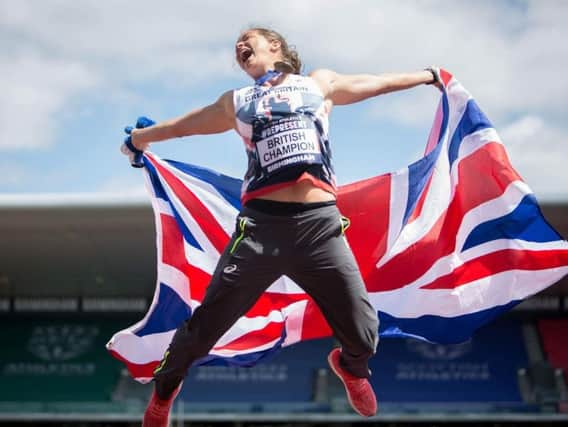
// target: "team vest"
[[285, 132]]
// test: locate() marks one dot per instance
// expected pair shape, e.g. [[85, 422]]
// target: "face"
[[256, 54]]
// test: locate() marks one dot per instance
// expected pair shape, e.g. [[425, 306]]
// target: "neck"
[[268, 76], [269, 65]]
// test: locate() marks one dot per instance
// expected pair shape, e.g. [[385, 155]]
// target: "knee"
[[193, 337], [370, 337], [370, 343], [203, 332]]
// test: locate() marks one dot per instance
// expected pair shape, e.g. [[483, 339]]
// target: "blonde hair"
[[291, 62]]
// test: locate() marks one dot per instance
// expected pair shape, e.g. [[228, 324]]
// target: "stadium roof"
[[99, 246], [82, 248], [41, 200]]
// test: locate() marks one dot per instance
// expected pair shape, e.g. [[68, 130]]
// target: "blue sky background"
[[74, 73]]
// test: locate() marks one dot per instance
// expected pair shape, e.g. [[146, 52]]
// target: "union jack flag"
[[444, 246]]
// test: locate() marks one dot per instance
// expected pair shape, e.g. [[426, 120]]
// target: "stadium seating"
[[478, 375], [58, 362], [555, 344], [283, 382], [553, 333]]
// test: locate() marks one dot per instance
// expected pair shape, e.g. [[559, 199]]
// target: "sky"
[[74, 73]]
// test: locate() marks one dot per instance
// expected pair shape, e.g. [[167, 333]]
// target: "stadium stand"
[[480, 374], [553, 333], [283, 383]]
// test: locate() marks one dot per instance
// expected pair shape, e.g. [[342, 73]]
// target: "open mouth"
[[245, 54]]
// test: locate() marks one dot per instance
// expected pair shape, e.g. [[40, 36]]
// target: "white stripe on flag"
[[485, 293], [440, 190], [397, 207], [492, 209], [140, 350], [294, 315], [222, 211]]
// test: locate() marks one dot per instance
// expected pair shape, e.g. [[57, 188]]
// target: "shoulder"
[[226, 97], [324, 79], [322, 73], [225, 102]]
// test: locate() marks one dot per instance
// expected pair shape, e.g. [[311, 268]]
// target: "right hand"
[[128, 148]]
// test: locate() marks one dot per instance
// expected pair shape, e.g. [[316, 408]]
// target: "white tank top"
[[285, 132]]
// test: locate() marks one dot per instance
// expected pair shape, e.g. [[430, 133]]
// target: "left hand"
[[437, 79]]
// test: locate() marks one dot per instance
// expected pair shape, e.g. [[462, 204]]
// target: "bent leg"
[[328, 272], [240, 277]]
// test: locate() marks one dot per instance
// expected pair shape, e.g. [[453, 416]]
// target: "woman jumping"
[[289, 224]]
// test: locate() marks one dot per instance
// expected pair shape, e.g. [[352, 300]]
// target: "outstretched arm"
[[343, 89], [215, 118]]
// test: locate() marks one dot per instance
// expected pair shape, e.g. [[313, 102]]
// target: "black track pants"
[[310, 248]]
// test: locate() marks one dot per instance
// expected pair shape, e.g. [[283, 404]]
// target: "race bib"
[[288, 141]]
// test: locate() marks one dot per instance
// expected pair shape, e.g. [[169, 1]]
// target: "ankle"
[[169, 397]]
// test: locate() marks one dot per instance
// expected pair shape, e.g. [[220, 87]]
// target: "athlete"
[[289, 224]]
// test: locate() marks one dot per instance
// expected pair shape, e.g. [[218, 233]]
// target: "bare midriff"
[[303, 191]]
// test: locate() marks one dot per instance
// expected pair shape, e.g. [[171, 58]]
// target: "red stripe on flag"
[[489, 162], [420, 205], [314, 324], [497, 262], [270, 301], [366, 204], [145, 370], [272, 331], [215, 233], [173, 254], [446, 77]]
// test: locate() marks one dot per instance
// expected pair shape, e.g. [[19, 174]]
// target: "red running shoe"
[[359, 392], [157, 412]]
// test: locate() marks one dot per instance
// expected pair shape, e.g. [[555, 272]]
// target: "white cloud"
[[512, 56], [416, 108], [538, 151], [34, 90]]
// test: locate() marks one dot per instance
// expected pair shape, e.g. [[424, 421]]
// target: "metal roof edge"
[[48, 200]]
